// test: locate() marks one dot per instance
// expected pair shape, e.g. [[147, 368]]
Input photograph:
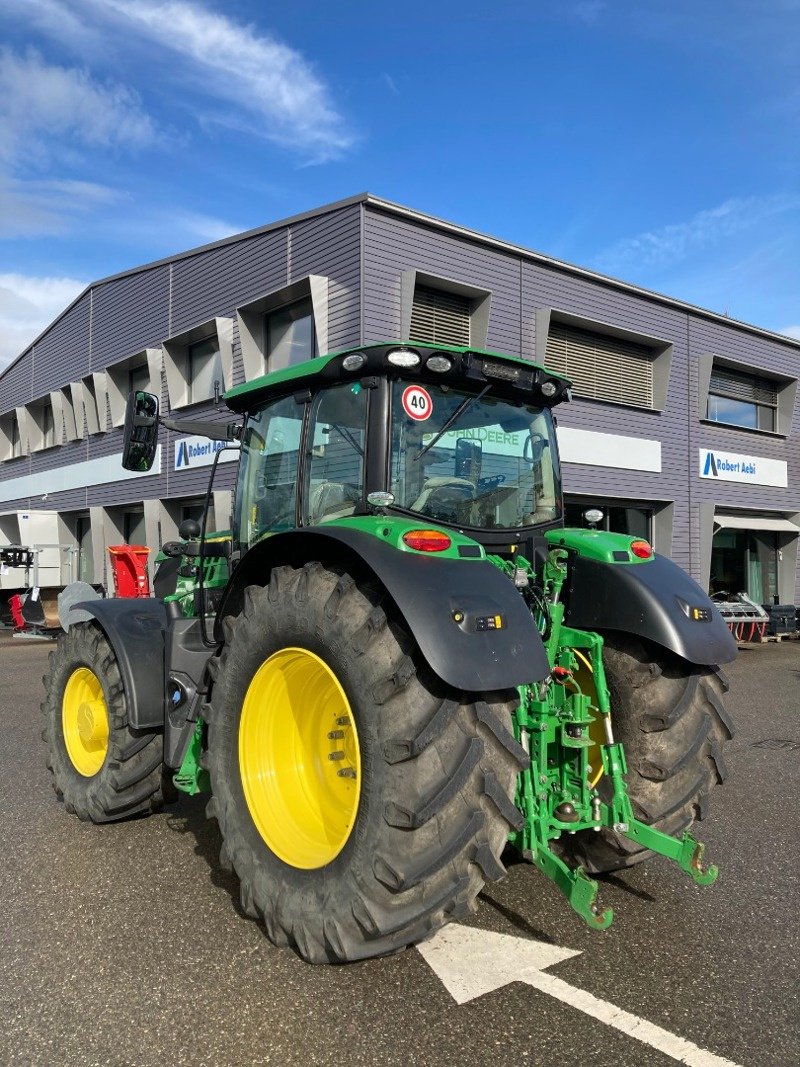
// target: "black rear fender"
[[429, 593], [136, 630], [656, 600]]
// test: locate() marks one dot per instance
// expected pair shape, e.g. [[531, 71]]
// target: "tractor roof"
[[511, 374]]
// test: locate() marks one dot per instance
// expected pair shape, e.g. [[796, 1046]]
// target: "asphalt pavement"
[[125, 945]]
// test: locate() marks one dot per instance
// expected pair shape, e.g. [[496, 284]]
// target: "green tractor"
[[399, 662]]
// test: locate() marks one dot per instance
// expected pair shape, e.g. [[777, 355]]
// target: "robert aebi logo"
[[187, 450], [716, 464]]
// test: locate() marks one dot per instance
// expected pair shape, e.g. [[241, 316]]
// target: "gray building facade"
[[682, 427]]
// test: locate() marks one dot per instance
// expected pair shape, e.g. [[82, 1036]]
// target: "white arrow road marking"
[[472, 962]]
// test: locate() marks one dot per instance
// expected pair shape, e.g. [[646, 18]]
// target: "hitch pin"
[[596, 813], [608, 730]]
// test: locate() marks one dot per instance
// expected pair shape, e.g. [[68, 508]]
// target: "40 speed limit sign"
[[417, 403]]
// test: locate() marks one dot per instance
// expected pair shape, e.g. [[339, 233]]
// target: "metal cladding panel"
[[16, 384], [129, 491], [106, 444], [72, 452], [216, 282], [62, 354], [331, 246], [129, 314], [74, 500], [21, 503], [393, 245]]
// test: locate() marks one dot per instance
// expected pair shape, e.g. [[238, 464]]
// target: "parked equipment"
[[129, 570], [746, 620], [398, 660]]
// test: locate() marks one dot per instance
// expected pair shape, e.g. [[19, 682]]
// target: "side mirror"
[[534, 447], [140, 436]]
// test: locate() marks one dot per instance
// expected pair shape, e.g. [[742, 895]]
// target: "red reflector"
[[427, 540], [641, 549]]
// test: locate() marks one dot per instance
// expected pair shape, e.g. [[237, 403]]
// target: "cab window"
[[266, 500], [337, 442]]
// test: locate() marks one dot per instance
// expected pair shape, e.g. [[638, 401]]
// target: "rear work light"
[[641, 549], [427, 540]]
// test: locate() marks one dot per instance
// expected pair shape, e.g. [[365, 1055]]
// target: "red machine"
[[129, 569]]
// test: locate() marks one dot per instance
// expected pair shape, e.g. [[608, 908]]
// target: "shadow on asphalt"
[[188, 816]]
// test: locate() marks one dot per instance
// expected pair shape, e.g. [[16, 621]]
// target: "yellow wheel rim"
[[584, 679], [299, 758], [84, 722]]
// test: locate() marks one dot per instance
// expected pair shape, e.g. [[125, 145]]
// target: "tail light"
[[641, 549], [427, 540]]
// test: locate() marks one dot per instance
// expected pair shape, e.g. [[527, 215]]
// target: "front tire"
[[101, 769], [672, 723], [315, 679]]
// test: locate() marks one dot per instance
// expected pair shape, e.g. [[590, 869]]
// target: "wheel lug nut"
[[346, 772], [343, 721], [334, 735], [336, 755]]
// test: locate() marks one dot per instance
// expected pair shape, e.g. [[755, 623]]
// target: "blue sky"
[[654, 140]]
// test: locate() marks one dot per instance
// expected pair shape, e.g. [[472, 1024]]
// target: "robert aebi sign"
[[734, 467], [200, 452]]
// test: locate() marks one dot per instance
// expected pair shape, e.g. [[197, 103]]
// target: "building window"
[[83, 535], [601, 366], [133, 528], [289, 335], [16, 440], [740, 399], [139, 377], [635, 521], [204, 370], [440, 317], [195, 511]]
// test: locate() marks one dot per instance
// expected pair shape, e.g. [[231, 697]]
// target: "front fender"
[[135, 628], [431, 594], [652, 599]]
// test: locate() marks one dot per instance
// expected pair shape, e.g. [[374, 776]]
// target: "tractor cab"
[[456, 437]]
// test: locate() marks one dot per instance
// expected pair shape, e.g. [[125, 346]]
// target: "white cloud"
[[271, 86], [27, 305], [41, 103], [670, 244], [47, 207], [169, 231], [791, 331]]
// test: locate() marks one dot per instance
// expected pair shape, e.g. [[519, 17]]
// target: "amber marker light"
[[641, 549], [427, 540]]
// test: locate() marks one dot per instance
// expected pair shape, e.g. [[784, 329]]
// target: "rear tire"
[[436, 773], [102, 769], [670, 718]]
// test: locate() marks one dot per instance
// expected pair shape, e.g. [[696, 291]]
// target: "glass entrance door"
[[745, 562]]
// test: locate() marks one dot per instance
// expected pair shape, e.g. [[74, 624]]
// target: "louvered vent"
[[440, 318], [602, 367], [748, 387]]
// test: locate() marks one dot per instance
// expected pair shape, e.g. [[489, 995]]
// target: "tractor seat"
[[463, 487], [331, 500]]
